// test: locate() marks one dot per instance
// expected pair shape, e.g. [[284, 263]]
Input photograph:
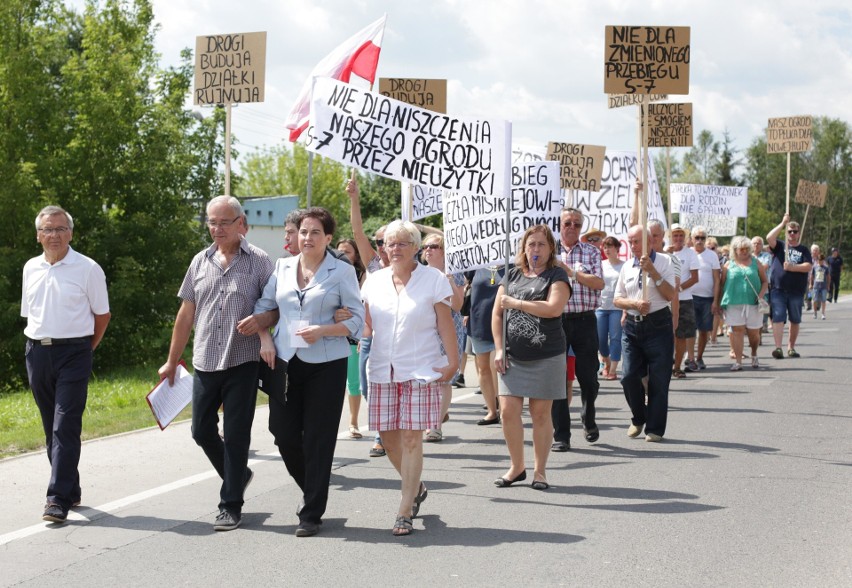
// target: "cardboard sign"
[[581, 165], [475, 226], [420, 201], [718, 226], [230, 69], [669, 125], [428, 94], [811, 193], [646, 60], [409, 144], [713, 200], [790, 134], [621, 100]]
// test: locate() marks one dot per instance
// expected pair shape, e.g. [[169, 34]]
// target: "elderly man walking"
[[64, 299], [583, 263], [220, 289]]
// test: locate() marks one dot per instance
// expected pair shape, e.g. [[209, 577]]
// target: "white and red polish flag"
[[358, 55]]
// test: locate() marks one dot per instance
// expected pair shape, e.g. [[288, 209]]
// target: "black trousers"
[[305, 428], [59, 379], [581, 334]]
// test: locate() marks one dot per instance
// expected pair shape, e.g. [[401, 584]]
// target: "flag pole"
[[310, 186], [804, 222], [788, 182], [508, 183]]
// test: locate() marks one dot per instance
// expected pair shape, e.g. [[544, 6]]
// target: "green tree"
[[700, 161], [727, 162]]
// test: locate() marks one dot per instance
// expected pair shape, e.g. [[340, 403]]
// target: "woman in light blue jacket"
[[307, 290]]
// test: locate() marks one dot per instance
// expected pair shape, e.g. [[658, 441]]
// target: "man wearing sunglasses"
[[791, 264]]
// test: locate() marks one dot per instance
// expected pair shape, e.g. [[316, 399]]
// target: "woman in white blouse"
[[408, 308]]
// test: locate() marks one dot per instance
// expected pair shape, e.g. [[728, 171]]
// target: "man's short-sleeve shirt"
[[792, 282]]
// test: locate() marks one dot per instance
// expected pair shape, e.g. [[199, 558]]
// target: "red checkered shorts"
[[411, 406]]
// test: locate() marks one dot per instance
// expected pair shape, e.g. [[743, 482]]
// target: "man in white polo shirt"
[[704, 293], [64, 299], [685, 331], [648, 340]]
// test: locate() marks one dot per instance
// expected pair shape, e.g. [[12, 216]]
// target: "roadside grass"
[[116, 404]]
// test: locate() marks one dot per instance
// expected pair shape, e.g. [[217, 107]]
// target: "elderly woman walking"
[[743, 284], [408, 309]]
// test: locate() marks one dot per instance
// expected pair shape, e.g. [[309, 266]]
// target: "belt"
[[577, 315], [47, 341], [638, 318]]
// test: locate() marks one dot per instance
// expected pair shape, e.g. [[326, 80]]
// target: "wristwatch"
[[659, 282]]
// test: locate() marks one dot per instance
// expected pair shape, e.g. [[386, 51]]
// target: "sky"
[[539, 63]]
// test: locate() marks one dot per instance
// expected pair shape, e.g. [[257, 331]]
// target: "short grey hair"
[[757, 238], [654, 222], [293, 217], [50, 211], [699, 229], [404, 229], [230, 201], [741, 242], [571, 210]]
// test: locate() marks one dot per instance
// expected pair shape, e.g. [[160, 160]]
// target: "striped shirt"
[[223, 297], [584, 258]]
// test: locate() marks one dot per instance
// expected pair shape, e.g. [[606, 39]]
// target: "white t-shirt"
[[405, 325], [60, 301], [708, 261], [628, 285], [688, 262], [610, 277]]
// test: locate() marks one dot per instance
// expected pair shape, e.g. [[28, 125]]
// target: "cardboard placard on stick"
[[670, 125], [581, 166], [428, 94], [646, 60], [230, 69], [620, 100], [811, 193], [791, 134]]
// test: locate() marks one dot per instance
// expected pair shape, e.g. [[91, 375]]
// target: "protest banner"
[[418, 201], [475, 226], [715, 200], [527, 154], [669, 125], [428, 94], [580, 166], [621, 100], [646, 60], [230, 69], [718, 226], [396, 140], [811, 193], [791, 134]]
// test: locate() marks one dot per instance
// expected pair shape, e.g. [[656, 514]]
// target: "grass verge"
[[116, 404]]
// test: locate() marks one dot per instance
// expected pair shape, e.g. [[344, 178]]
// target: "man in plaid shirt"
[[583, 264], [220, 289]]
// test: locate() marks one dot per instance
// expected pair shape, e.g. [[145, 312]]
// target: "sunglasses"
[[700, 238], [380, 242], [792, 231], [593, 239], [432, 246], [573, 224]]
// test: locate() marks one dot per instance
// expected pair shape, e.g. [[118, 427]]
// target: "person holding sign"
[[530, 360], [791, 264], [217, 298], [583, 266], [64, 299], [308, 290], [648, 338], [408, 312], [743, 285]]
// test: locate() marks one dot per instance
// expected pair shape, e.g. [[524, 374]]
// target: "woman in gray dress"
[[532, 363]]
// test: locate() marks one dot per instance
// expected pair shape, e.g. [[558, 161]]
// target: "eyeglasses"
[[712, 248], [593, 239], [222, 224], [700, 238], [792, 231], [380, 242], [397, 245], [54, 231], [576, 225], [432, 246]]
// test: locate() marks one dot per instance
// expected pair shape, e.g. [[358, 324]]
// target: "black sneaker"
[[560, 446], [459, 383], [54, 513], [226, 521]]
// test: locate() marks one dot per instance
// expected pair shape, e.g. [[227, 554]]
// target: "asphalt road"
[[751, 487]]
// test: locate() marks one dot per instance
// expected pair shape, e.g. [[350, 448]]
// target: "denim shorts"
[[703, 312], [480, 345], [785, 304], [820, 294]]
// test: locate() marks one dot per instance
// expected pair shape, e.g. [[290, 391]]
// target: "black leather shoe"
[[54, 513], [560, 446], [592, 434], [493, 421], [306, 529], [505, 482]]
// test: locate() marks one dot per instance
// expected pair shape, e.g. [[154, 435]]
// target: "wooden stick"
[[227, 150], [788, 183]]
